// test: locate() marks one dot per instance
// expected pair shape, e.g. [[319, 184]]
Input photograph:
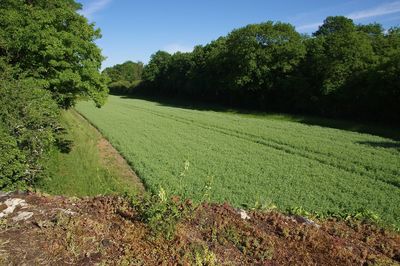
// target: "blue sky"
[[133, 30]]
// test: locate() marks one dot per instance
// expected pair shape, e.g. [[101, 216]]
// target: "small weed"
[[264, 205], [183, 174], [366, 216], [206, 197], [161, 213], [3, 224], [285, 232], [61, 219], [205, 257], [71, 243], [3, 253], [300, 211]]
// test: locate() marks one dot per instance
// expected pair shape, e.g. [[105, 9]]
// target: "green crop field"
[[248, 158]]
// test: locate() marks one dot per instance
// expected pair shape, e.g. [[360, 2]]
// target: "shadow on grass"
[[383, 130], [381, 144], [64, 145]]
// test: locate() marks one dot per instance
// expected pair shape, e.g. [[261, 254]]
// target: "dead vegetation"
[[110, 231]]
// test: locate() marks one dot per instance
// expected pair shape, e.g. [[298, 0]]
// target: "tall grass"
[[81, 172]]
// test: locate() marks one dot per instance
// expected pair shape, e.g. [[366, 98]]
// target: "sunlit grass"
[[253, 158], [81, 172]]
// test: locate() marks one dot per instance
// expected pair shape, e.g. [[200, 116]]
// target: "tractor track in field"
[[339, 163]]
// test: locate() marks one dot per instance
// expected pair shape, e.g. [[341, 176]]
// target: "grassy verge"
[[87, 169]]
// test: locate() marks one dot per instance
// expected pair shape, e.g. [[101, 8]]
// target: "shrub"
[[28, 122], [160, 213], [12, 167]]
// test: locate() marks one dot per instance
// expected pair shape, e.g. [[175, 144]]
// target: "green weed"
[[160, 212]]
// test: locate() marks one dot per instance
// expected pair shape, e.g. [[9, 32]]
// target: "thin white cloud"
[[176, 47], [384, 9], [309, 26], [93, 7]]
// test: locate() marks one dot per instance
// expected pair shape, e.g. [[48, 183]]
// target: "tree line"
[[342, 70], [48, 60], [122, 77]]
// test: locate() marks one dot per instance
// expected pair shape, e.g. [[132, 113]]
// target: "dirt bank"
[[37, 229]]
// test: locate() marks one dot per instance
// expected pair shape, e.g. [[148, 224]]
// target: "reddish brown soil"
[[107, 231]]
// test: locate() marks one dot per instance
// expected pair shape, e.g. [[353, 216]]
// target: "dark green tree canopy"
[[343, 70], [128, 71], [49, 41], [48, 59], [260, 53], [337, 24], [157, 66]]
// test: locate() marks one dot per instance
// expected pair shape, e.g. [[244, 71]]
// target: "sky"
[[134, 30]]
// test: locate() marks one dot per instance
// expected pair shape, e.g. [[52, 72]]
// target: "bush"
[[123, 87], [12, 166], [119, 87], [28, 122], [160, 213]]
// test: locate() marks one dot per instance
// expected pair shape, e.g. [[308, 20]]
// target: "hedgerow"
[[29, 123], [48, 59]]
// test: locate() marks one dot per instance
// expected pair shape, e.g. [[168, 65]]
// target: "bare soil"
[[108, 231]]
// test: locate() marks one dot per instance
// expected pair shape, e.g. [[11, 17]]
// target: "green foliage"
[[160, 212], [252, 156], [50, 42], [205, 257], [12, 167], [259, 55], [124, 77], [344, 70], [336, 58], [265, 205], [29, 123], [128, 71], [299, 211], [81, 171], [352, 217], [123, 87], [156, 69], [335, 25], [48, 59]]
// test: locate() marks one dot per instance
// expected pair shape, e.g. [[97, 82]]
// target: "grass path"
[[253, 158], [92, 167]]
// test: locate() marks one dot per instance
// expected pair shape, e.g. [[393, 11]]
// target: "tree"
[[28, 126], [49, 41], [338, 53], [48, 59], [337, 24], [338, 60], [208, 76], [128, 71], [155, 71], [342, 70], [384, 80], [260, 56]]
